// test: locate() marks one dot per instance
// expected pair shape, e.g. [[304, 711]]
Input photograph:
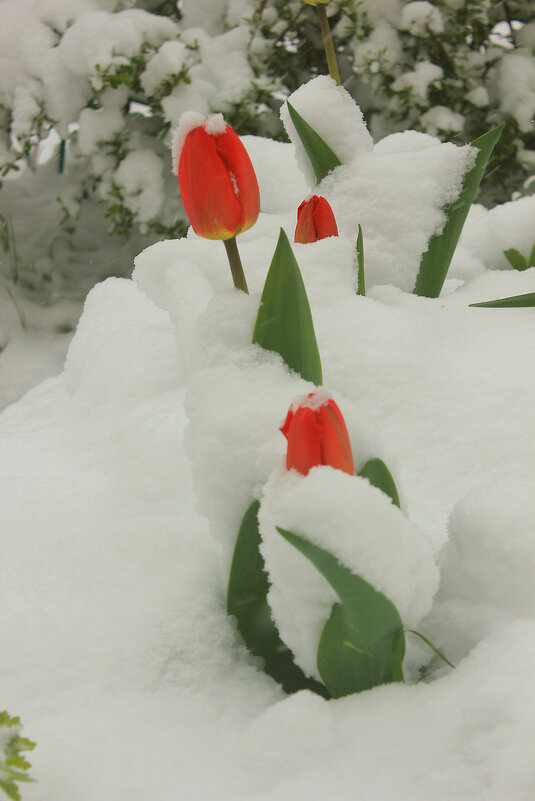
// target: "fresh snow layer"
[[125, 478], [375, 184], [359, 525]]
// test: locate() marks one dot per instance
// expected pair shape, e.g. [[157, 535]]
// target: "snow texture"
[[123, 482], [360, 526]]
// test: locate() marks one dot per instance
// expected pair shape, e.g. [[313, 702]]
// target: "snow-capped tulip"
[[217, 181], [317, 435], [315, 220]]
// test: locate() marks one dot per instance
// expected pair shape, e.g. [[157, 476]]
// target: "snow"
[[169, 60], [420, 16], [479, 96], [334, 115], [221, 77], [140, 177], [97, 125], [123, 481], [441, 118], [381, 47], [419, 79], [513, 82], [359, 525]]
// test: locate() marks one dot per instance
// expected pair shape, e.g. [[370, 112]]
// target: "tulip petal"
[[237, 162], [304, 441], [305, 230], [324, 220], [335, 444], [315, 220], [209, 199]]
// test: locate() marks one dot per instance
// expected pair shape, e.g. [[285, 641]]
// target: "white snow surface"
[[359, 525], [123, 482]]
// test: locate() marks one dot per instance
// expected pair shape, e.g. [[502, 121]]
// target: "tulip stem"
[[328, 44], [236, 267]]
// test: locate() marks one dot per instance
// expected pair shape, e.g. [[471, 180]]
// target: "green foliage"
[[518, 261], [515, 259], [284, 322], [514, 302], [13, 766], [356, 644], [361, 284], [430, 645], [247, 600], [437, 258], [322, 158], [380, 476], [284, 49]]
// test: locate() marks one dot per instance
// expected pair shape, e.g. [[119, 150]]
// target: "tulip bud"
[[315, 220], [217, 181], [317, 435]]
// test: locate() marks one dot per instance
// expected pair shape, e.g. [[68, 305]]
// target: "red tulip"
[[317, 435], [217, 181], [315, 220]]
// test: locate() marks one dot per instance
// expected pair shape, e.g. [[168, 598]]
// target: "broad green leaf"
[[361, 287], [247, 601], [322, 158], [355, 649], [284, 322], [433, 647], [398, 652], [514, 302], [436, 260], [532, 257], [515, 259], [380, 476]]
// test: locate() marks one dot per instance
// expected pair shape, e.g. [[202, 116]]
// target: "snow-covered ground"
[[34, 351], [125, 477]]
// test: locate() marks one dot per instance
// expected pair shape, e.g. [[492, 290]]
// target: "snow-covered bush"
[[99, 85]]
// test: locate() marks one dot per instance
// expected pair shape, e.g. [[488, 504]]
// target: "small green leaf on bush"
[[12, 764], [322, 158], [514, 302], [355, 649], [284, 322], [515, 259], [436, 260], [380, 476], [361, 287], [247, 601]]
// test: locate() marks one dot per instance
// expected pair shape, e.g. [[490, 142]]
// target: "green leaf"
[[361, 288], [10, 789], [380, 476], [398, 652], [322, 158], [436, 260], [247, 601], [514, 302], [433, 647], [284, 322], [532, 257], [355, 649], [12, 763], [515, 259]]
